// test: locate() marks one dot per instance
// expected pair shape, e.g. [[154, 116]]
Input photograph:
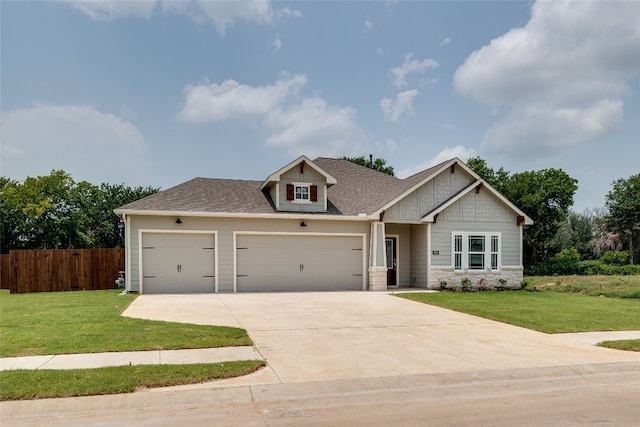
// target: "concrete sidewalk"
[[153, 357]]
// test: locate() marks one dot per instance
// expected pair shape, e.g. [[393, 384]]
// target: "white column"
[[378, 258]]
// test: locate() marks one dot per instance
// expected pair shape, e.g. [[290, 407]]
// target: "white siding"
[[224, 228], [418, 257]]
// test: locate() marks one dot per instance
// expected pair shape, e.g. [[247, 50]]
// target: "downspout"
[[127, 251]]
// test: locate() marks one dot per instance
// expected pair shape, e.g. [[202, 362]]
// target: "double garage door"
[[299, 263], [185, 263]]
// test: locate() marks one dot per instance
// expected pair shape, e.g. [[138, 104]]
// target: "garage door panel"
[[178, 263], [295, 263]]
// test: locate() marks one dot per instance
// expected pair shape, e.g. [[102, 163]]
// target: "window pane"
[[458, 243], [494, 243], [476, 261], [458, 261], [302, 193], [494, 261], [476, 243]]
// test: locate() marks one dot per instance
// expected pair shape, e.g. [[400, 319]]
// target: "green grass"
[[40, 384], [548, 312], [90, 322], [629, 345], [607, 286]]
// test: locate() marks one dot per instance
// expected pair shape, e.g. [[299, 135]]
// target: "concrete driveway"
[[347, 335]]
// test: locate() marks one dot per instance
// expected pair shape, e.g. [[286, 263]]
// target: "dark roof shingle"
[[358, 190]]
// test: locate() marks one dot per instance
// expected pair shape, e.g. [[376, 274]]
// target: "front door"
[[392, 262]]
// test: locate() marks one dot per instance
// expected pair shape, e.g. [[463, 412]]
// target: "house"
[[326, 224]]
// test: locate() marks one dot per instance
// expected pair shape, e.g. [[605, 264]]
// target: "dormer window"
[[300, 192]]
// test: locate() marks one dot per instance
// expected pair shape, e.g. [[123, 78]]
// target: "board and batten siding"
[[224, 229], [431, 194], [309, 176], [418, 257]]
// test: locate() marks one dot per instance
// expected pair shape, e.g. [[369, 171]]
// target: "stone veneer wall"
[[377, 279], [512, 275]]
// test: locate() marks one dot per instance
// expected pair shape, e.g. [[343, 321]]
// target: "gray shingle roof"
[[358, 190]]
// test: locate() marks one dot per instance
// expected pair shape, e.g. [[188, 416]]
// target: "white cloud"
[[403, 104], [560, 79], [89, 144], [310, 126], [229, 99], [463, 153], [315, 128], [410, 66], [549, 131], [221, 14], [107, 10], [445, 41], [277, 44], [368, 24]]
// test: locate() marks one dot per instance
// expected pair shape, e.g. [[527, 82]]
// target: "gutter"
[[129, 212]]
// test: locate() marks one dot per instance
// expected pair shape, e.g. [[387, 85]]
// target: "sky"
[[159, 92]]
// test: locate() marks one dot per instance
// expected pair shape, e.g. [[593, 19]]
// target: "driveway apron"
[[342, 335]]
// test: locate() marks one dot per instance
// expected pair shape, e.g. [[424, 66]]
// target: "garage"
[[178, 263], [273, 262]]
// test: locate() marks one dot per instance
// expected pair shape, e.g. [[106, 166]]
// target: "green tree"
[[44, 204], [576, 231], [544, 195], [54, 211], [623, 204], [379, 164], [10, 217]]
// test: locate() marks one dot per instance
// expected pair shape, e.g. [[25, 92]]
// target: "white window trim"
[[301, 184], [465, 250]]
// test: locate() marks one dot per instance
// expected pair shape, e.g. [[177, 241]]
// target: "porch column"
[[377, 258]]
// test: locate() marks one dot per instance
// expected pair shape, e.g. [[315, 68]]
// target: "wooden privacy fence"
[[52, 270]]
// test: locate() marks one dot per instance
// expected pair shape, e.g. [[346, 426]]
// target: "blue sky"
[[158, 92]]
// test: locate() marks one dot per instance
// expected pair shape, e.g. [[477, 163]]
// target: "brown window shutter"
[[314, 193], [290, 194]]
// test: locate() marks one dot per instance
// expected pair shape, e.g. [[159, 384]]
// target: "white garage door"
[[299, 263], [178, 263]]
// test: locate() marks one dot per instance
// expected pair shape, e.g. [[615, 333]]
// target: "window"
[[457, 252], [301, 193], [494, 252], [476, 252], [471, 251]]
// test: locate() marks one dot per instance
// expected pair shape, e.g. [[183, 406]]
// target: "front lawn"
[[548, 312], [40, 384], [629, 345], [91, 322]]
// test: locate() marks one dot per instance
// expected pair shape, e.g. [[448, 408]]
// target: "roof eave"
[[246, 215]]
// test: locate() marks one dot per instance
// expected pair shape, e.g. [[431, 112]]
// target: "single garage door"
[[299, 263], [178, 263]]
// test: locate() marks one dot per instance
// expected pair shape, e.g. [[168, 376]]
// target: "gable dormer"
[[300, 186]]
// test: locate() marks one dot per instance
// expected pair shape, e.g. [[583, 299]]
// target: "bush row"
[[560, 267]]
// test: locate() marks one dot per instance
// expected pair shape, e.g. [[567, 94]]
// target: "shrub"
[[615, 258], [465, 284]]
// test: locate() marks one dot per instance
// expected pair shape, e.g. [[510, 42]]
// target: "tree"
[[623, 203], [379, 164], [54, 211], [577, 231], [545, 196]]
